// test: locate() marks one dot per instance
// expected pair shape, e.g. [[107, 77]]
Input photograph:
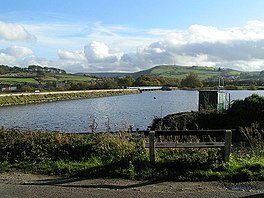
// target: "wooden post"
[[227, 148], [152, 146]]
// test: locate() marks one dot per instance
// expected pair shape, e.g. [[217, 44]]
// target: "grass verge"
[[118, 155]]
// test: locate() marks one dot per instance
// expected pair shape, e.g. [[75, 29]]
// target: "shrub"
[[245, 112], [43, 146]]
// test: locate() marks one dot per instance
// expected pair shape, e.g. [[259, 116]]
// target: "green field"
[[31, 79], [181, 72], [76, 78], [17, 80]]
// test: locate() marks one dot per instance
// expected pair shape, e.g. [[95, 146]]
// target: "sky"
[[132, 35]]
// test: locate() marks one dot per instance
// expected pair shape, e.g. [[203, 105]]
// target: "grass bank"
[[29, 98], [119, 155]]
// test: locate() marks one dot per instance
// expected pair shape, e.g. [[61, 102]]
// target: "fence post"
[[152, 146], [227, 148]]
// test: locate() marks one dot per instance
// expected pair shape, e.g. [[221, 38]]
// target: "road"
[[18, 185]]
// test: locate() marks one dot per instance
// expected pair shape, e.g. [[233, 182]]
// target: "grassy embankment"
[[16, 99]]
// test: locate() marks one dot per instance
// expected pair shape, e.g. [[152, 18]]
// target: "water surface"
[[116, 113]]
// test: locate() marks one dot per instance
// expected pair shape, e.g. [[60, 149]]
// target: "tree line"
[[4, 69], [191, 81]]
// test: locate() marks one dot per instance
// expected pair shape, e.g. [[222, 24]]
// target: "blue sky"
[[131, 35]]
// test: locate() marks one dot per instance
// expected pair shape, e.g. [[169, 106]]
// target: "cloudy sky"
[[132, 35]]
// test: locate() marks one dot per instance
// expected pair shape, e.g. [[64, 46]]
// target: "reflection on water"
[[116, 112]]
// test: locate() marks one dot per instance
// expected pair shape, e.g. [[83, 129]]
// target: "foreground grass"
[[235, 171], [117, 155]]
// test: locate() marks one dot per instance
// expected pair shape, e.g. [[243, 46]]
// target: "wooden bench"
[[224, 140]]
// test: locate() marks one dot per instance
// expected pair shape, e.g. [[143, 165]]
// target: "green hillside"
[[181, 72]]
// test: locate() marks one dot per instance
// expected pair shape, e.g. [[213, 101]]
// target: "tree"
[[169, 82], [126, 81], [147, 81], [191, 81], [261, 74]]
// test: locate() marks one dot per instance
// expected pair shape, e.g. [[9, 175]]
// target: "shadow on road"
[[255, 196], [73, 182]]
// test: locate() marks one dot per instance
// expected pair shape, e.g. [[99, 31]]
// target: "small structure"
[[8, 88], [61, 84], [212, 99]]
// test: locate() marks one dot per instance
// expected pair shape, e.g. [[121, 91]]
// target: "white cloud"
[[12, 32], [252, 31], [17, 51], [97, 52], [7, 59], [72, 56], [14, 55]]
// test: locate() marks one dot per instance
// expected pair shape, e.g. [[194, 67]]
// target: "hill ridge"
[[180, 72]]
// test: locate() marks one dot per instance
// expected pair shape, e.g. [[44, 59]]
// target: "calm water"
[[116, 112]]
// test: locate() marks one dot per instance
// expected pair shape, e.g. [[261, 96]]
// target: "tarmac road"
[[18, 185]]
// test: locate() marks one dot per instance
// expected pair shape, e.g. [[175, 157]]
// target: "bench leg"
[[152, 147], [227, 148]]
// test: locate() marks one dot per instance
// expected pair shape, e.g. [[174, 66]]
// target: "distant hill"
[[171, 71], [106, 74], [179, 72]]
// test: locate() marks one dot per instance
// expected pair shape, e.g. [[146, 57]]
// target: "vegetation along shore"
[[29, 98]]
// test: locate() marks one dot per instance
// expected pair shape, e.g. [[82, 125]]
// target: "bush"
[[40, 146], [18, 146], [245, 112]]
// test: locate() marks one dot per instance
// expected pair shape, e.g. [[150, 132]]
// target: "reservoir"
[[106, 113]]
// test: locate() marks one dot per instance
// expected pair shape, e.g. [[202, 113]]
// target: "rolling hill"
[[179, 72]]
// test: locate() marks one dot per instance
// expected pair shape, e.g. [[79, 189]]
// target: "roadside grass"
[[50, 167], [236, 170], [118, 155]]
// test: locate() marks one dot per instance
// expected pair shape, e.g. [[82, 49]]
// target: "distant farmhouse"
[[7, 88]]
